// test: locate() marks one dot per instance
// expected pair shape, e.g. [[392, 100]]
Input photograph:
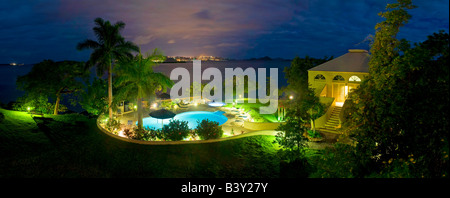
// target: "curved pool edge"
[[192, 117], [142, 142]]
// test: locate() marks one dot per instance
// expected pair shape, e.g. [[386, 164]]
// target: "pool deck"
[[228, 127]]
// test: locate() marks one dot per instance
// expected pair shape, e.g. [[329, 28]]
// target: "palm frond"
[[120, 25], [88, 44], [156, 55]]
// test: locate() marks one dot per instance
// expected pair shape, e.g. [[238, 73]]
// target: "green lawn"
[[72, 146], [254, 110]]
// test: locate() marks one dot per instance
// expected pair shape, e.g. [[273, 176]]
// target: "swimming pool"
[[216, 104], [191, 117]]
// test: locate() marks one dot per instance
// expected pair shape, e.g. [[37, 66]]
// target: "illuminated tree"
[[53, 79], [110, 47], [136, 79]]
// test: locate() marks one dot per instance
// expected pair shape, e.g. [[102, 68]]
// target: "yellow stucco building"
[[334, 80]]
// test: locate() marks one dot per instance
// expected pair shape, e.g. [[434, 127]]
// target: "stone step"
[[334, 119], [330, 126], [332, 122], [327, 130]]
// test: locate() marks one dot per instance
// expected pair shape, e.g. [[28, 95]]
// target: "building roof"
[[355, 60]]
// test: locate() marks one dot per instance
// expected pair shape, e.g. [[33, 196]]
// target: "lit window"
[[319, 77], [338, 78], [354, 79]]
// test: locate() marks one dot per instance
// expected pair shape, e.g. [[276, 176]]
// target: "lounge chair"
[[181, 106]]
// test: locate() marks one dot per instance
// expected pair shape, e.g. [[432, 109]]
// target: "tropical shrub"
[[314, 134], [339, 161], [297, 168], [112, 125], [207, 129], [129, 133], [95, 98], [176, 130], [38, 103], [152, 134], [144, 134]]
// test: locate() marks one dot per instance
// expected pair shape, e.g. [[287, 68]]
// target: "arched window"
[[354, 79], [319, 77], [338, 78]]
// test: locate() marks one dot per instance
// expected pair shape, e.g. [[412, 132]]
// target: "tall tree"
[[400, 112], [305, 106], [109, 47], [137, 79], [369, 123], [298, 86], [297, 74], [386, 46], [95, 98], [53, 79]]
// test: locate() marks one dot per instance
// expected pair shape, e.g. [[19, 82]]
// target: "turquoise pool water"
[[216, 104], [191, 117]]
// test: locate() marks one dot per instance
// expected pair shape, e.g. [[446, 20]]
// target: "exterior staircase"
[[332, 122]]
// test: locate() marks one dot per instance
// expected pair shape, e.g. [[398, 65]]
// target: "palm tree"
[[110, 46], [137, 79]]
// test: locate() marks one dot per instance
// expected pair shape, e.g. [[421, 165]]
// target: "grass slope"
[[253, 109], [72, 146]]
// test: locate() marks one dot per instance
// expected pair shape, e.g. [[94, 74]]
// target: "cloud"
[[44, 29], [204, 14], [142, 40], [228, 44]]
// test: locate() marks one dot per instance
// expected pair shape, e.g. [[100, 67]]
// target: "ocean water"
[[9, 74], [8, 77]]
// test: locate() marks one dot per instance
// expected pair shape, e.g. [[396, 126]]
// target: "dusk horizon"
[[35, 31]]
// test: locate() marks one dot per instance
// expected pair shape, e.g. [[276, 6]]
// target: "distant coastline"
[[267, 58], [9, 64], [173, 59]]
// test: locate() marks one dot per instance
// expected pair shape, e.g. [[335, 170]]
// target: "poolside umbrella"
[[162, 114]]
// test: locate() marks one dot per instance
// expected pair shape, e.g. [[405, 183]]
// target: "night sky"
[[34, 30]]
